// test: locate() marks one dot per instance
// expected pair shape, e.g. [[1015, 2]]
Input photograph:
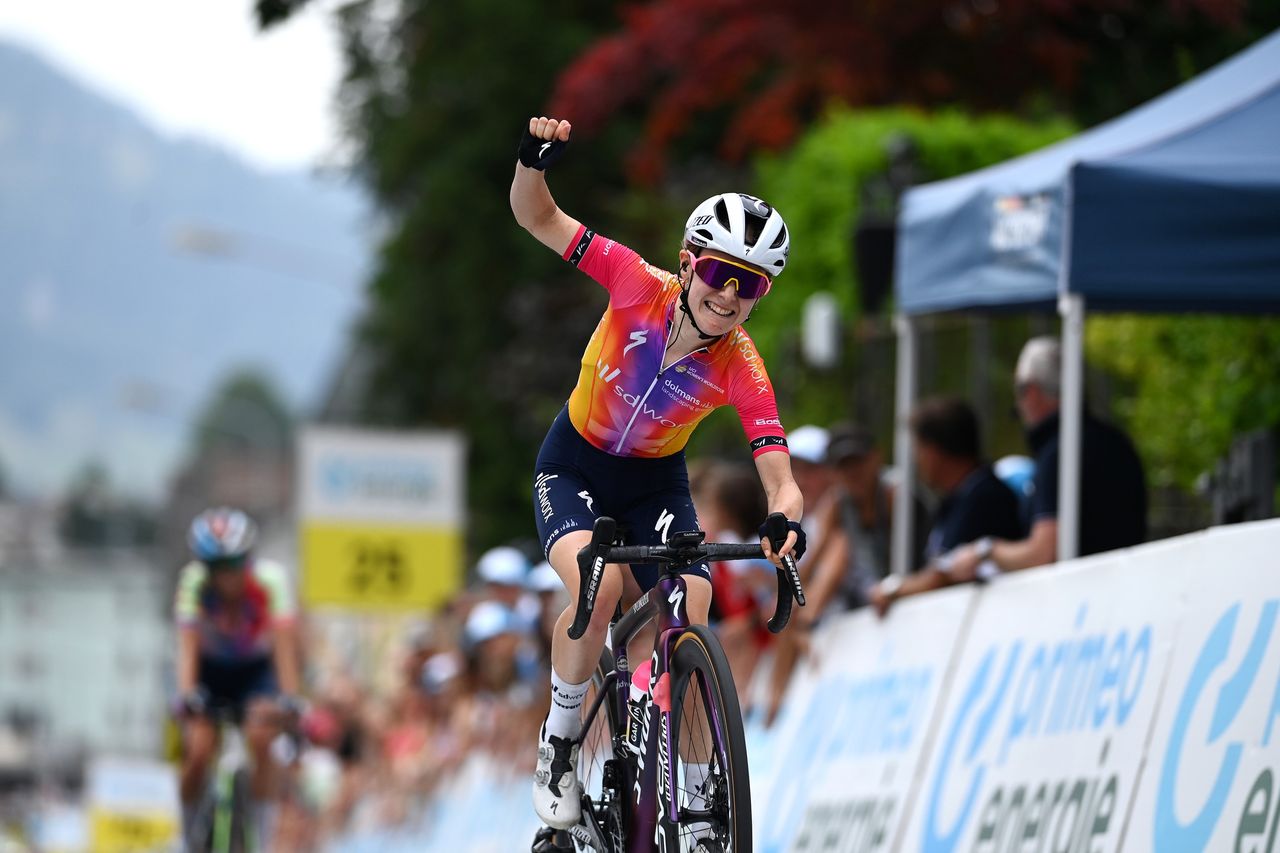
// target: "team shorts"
[[575, 483], [232, 684]]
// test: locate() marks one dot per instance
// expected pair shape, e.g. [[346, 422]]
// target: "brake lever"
[[591, 563], [789, 586]]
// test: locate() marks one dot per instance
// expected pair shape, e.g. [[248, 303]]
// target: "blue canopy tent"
[[1174, 206]]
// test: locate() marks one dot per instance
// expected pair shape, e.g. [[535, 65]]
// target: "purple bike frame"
[[654, 797]]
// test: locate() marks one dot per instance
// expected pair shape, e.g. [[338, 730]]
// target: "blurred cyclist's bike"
[[223, 819], [637, 745], [227, 819]]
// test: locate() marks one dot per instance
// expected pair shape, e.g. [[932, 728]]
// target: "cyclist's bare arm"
[[285, 657], [531, 200], [783, 493], [188, 659]]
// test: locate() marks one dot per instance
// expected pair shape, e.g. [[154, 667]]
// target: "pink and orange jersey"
[[625, 402]]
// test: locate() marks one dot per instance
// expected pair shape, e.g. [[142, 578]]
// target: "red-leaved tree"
[[760, 69]]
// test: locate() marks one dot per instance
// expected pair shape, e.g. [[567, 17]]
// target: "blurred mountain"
[[137, 270]]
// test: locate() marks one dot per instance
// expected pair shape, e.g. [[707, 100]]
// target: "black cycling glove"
[[796, 552], [538, 153]]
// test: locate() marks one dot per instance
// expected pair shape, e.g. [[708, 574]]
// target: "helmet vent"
[[722, 214], [780, 239], [705, 234]]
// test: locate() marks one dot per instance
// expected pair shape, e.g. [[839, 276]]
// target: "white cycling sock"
[[565, 718], [695, 776]]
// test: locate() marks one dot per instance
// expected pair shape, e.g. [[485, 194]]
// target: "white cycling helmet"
[[743, 227]]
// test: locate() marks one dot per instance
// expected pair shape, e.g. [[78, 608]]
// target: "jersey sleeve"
[[274, 578], [622, 272], [751, 393], [186, 599]]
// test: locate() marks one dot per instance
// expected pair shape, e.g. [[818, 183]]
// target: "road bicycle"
[[638, 745]]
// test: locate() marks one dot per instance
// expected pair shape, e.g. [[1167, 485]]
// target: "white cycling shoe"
[[557, 793]]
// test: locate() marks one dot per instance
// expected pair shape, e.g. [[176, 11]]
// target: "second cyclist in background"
[[237, 647]]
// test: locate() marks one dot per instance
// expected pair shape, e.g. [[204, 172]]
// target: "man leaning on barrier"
[[974, 503], [1113, 493]]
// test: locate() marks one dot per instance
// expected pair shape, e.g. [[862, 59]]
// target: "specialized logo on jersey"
[[638, 338], [586, 496]]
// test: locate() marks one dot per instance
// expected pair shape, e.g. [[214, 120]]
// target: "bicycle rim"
[[706, 726], [598, 739]]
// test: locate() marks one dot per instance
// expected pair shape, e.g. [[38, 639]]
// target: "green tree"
[[820, 184], [473, 324], [1194, 383]]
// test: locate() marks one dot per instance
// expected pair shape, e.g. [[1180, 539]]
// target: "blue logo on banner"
[[1021, 691], [847, 718], [1170, 833]]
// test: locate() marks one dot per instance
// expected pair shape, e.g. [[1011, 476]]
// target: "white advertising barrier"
[[1213, 772], [842, 766], [486, 808], [1041, 743]]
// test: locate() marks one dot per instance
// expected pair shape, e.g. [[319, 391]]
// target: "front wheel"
[[713, 782], [604, 769]]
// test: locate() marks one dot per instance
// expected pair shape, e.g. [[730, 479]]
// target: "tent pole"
[[903, 459], [1071, 307]]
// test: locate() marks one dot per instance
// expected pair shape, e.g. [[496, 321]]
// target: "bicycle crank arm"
[[588, 831]]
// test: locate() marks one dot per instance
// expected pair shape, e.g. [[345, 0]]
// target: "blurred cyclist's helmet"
[[221, 534], [743, 227]]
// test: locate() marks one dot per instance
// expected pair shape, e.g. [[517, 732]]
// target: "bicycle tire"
[[599, 743], [231, 831], [699, 662]]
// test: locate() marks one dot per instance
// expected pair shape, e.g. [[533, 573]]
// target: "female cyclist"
[[669, 350]]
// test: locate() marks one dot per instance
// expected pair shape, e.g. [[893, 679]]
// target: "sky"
[[199, 68]]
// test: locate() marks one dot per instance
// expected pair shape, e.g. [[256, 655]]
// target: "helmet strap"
[[684, 306]]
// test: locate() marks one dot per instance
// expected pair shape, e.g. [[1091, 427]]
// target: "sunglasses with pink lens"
[[719, 273]]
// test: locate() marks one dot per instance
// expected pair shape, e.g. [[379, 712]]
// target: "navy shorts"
[[575, 483], [232, 684]]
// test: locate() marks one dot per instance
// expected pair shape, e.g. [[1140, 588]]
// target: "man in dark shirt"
[[975, 503], [1113, 492]]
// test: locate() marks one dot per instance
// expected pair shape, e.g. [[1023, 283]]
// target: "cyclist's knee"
[[261, 723], [201, 742], [699, 589], [607, 596], [564, 558]]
